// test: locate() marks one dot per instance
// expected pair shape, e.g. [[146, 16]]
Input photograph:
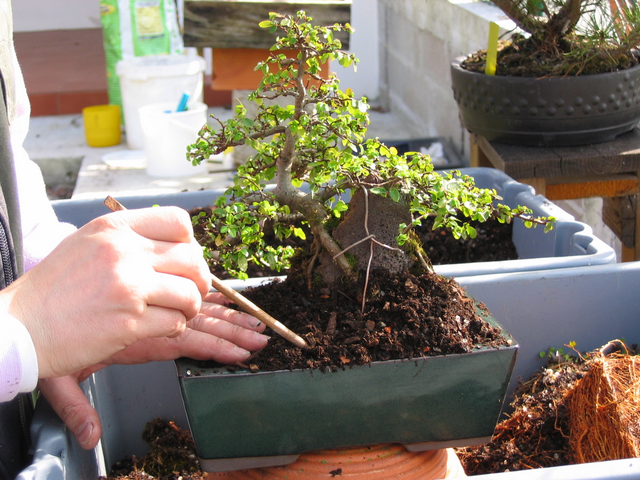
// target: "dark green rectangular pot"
[[247, 420]]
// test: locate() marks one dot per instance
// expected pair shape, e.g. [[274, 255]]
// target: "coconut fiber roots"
[[603, 410]]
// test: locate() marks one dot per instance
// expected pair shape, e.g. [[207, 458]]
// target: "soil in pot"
[[404, 317], [524, 58], [171, 456], [343, 335], [422, 315]]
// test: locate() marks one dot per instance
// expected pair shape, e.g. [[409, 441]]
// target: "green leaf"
[[394, 194], [298, 232], [550, 224], [471, 231], [242, 263]]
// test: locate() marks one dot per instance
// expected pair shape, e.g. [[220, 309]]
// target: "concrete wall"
[[418, 40]]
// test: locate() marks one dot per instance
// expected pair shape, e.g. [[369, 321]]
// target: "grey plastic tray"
[[569, 244], [541, 309], [538, 300]]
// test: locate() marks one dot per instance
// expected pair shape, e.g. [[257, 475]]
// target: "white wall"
[[418, 41], [35, 15], [364, 44]]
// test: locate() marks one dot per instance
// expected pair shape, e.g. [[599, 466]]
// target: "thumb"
[[67, 399]]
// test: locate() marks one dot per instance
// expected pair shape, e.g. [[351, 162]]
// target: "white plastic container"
[[166, 135], [155, 79]]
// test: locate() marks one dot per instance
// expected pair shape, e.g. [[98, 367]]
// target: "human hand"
[[122, 278], [216, 333]]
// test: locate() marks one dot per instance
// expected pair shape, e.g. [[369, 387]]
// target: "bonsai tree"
[[315, 171], [569, 37]]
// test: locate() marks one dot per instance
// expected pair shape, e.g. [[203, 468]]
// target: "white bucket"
[[166, 135], [155, 79]]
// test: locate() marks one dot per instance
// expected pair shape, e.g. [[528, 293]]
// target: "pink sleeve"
[[18, 361], [41, 229]]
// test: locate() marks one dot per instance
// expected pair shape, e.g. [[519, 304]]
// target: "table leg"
[[619, 214], [636, 240], [538, 184], [477, 157], [633, 254]]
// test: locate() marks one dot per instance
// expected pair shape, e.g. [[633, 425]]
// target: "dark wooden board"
[[618, 156], [234, 23]]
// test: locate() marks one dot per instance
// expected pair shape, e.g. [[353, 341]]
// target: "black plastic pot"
[[547, 112]]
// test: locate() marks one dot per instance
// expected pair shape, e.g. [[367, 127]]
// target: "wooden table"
[[608, 170]]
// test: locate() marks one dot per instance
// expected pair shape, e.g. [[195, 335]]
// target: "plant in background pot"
[[568, 76], [396, 353]]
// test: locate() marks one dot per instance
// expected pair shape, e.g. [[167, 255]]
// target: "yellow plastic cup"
[[102, 125]]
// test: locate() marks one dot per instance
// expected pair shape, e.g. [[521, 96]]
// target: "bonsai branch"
[[312, 262], [334, 249]]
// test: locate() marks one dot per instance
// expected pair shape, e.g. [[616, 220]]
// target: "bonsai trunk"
[[365, 240], [370, 217]]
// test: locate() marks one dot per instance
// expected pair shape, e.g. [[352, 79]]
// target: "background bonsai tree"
[[313, 167], [560, 37]]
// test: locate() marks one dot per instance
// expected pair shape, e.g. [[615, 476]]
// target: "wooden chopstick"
[[234, 296]]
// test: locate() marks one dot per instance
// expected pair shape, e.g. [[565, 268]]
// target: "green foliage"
[[310, 154], [557, 355]]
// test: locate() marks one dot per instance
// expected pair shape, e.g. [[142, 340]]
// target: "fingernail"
[[83, 435], [261, 337], [255, 323], [242, 352]]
